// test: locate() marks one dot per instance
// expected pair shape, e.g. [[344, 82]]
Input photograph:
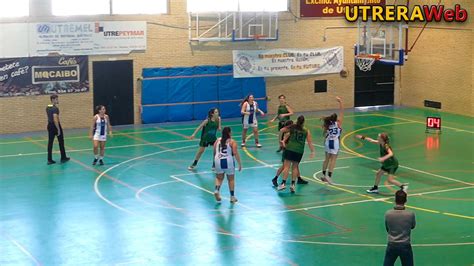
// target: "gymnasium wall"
[[440, 66], [169, 47]]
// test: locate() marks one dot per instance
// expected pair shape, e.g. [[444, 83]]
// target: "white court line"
[[212, 193], [406, 167], [259, 167], [314, 207], [211, 172], [374, 245], [420, 122], [23, 249], [90, 149], [342, 185], [115, 147], [322, 160], [137, 195], [438, 191], [370, 200], [96, 182], [164, 130], [141, 261]]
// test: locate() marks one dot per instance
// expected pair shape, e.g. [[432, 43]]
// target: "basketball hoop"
[[365, 61]]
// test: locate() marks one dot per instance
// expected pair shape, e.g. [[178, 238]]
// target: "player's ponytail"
[[328, 120], [299, 122], [225, 136], [246, 99]]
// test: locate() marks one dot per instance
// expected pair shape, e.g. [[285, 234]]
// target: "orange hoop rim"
[[259, 36], [374, 56]]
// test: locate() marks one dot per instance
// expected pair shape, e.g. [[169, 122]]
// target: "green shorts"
[[292, 156], [206, 143], [281, 124], [391, 170]]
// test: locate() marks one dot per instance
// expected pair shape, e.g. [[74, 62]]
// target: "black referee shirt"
[[50, 111]]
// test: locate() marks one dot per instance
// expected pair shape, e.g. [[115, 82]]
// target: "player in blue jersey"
[[332, 126], [98, 134]]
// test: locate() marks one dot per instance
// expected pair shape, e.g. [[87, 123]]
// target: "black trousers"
[[53, 132], [394, 251]]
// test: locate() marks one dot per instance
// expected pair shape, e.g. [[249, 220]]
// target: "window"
[[80, 7], [236, 5], [139, 6], [15, 8], [263, 5], [212, 5]]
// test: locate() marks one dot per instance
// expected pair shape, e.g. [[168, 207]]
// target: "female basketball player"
[[294, 151], [98, 133], [285, 136], [208, 135], [388, 160], [225, 154], [332, 130], [283, 114], [249, 118], [282, 136]]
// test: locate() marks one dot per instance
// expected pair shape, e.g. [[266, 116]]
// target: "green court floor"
[[143, 207]]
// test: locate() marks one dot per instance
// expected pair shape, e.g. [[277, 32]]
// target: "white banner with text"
[[72, 38], [287, 62]]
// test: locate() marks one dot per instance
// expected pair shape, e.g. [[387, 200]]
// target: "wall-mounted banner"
[[287, 62], [43, 75], [87, 38], [332, 8]]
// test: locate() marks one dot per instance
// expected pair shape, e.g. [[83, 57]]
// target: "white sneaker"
[[372, 190], [243, 144], [217, 195], [259, 145], [405, 187], [233, 199], [329, 180], [191, 167], [292, 188], [282, 186]]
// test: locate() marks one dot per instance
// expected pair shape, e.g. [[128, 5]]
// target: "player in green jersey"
[[209, 127], [294, 151], [388, 160]]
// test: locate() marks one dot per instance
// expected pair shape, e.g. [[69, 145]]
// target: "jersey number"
[[299, 137], [333, 131], [223, 151]]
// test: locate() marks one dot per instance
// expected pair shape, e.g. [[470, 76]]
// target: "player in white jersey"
[[98, 133], [249, 118], [225, 154], [332, 130]]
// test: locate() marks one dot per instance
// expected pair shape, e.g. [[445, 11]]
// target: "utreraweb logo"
[[400, 13]]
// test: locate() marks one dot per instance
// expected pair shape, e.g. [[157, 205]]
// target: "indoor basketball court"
[[149, 81]]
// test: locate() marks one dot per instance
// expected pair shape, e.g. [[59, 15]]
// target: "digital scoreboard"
[[433, 123]]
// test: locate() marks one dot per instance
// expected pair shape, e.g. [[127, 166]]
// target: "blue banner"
[[43, 75]]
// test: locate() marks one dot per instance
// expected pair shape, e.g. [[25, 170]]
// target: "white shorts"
[[100, 137], [224, 166], [332, 146], [253, 125]]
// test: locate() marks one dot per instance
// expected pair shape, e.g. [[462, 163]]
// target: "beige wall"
[[170, 47], [440, 66]]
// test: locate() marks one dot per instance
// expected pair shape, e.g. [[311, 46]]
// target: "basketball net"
[[365, 61]]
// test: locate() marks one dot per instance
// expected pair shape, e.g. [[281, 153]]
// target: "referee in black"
[[55, 129]]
